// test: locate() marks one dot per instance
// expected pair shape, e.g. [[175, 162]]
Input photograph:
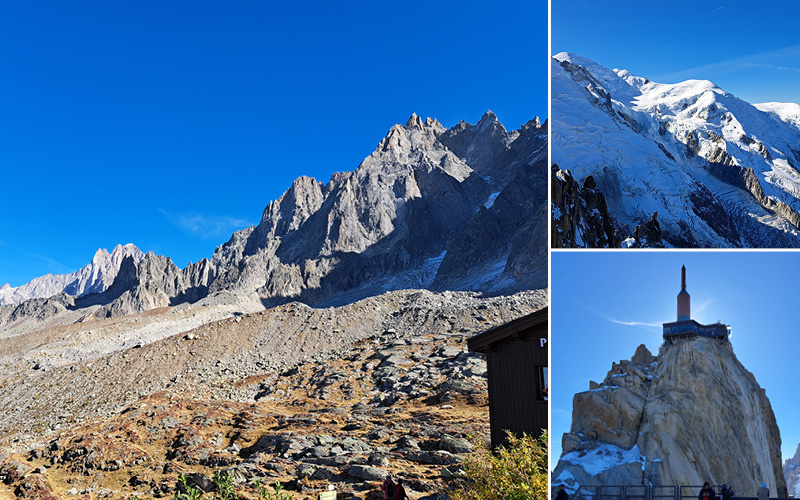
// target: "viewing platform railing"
[[638, 492]]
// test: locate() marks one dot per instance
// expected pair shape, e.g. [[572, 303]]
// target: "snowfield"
[[683, 150]]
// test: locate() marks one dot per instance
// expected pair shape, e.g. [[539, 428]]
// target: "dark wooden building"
[[516, 357]]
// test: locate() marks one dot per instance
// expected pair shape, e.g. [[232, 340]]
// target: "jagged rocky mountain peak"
[[791, 472], [414, 121], [94, 277], [413, 214], [489, 119]]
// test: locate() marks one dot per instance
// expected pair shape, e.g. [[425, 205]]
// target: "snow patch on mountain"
[[603, 458]]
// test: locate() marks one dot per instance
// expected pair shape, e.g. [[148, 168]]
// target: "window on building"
[[544, 388]]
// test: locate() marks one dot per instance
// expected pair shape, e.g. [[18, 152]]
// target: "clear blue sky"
[[604, 304], [171, 124], [749, 49]]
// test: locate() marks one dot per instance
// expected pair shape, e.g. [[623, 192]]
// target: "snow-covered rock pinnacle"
[[690, 415]]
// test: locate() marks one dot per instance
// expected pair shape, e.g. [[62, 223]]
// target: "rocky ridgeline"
[[95, 277], [430, 208], [674, 419], [305, 396]]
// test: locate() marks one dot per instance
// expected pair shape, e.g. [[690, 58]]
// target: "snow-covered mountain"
[[719, 172], [94, 277]]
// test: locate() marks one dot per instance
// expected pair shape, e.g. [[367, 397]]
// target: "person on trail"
[[399, 491], [388, 489], [392, 490], [707, 493], [727, 493], [562, 493], [763, 492]]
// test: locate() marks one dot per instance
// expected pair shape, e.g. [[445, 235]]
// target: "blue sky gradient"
[[604, 304], [750, 50], [171, 124]]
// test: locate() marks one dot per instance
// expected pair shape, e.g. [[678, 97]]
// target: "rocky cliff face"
[[429, 208], [690, 415], [95, 277], [457, 209]]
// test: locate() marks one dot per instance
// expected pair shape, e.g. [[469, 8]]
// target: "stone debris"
[[393, 392]]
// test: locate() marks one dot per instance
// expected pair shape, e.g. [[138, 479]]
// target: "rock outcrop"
[[580, 216], [690, 415]]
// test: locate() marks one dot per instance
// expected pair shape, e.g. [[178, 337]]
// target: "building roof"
[[483, 341]]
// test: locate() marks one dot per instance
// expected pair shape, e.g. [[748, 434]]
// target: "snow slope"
[[719, 171]]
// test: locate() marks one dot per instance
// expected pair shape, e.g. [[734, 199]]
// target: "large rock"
[[580, 216], [694, 414]]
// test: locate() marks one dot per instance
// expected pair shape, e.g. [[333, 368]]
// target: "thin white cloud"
[[56, 265], [716, 10], [698, 307], [769, 60], [560, 411], [634, 323], [649, 324], [205, 226]]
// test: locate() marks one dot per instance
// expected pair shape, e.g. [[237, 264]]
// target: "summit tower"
[[685, 327]]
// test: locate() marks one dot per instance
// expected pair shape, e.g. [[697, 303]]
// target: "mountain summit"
[[689, 415], [95, 277], [720, 172]]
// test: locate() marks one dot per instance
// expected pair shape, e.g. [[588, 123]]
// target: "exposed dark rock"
[[580, 216], [649, 234]]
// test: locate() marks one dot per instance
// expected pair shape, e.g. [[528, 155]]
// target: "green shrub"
[[514, 472], [225, 488], [263, 494], [191, 492]]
